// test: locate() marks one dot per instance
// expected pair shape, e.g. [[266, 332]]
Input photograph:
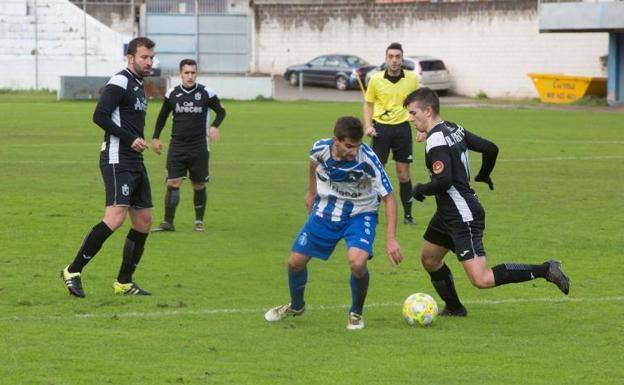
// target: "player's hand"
[[416, 194], [156, 146], [485, 179], [139, 145], [309, 201], [394, 251], [213, 134], [370, 131], [421, 136]]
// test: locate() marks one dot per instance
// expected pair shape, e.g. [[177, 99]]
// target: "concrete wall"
[[487, 46], [37, 48], [234, 87]]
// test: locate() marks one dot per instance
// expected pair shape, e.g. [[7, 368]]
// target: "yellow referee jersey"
[[387, 97]]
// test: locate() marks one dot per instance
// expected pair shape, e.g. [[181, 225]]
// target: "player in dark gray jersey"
[[459, 221], [120, 112], [189, 152]]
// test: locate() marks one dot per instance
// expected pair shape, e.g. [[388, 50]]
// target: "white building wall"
[[59, 42], [485, 51]]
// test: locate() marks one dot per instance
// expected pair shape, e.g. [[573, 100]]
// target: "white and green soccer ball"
[[420, 309]]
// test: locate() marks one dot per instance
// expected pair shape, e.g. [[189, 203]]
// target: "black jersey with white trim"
[[191, 114], [446, 157], [120, 112]]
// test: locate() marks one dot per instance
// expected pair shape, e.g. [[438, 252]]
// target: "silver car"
[[431, 72]]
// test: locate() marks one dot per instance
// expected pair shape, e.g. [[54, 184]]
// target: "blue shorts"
[[318, 237]]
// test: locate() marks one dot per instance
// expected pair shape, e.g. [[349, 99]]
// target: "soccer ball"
[[420, 309]]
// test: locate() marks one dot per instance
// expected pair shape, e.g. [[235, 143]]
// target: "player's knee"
[[429, 263], [175, 183], [199, 186], [295, 265], [480, 281], [358, 268], [114, 221]]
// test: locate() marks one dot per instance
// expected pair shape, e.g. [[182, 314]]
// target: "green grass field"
[[559, 194]]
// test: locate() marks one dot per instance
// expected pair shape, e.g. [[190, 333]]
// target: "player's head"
[[394, 57], [348, 134], [423, 106], [188, 72], [140, 56]]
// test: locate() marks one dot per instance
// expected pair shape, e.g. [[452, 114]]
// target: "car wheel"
[[342, 83], [293, 79]]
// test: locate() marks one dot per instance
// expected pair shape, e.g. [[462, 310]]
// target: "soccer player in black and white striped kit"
[[459, 221], [120, 112]]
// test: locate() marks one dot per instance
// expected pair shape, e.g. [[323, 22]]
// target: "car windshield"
[[355, 61], [432, 65]]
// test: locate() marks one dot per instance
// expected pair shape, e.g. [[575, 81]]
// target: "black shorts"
[[126, 187], [464, 238], [395, 137], [183, 159]]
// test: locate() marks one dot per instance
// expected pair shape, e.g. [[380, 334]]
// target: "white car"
[[431, 72]]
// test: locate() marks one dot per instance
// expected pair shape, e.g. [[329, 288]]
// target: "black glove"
[[485, 179], [416, 194]]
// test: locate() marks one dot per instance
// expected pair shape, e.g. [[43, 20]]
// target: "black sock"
[[445, 286], [405, 189], [90, 246], [199, 199], [515, 272], [172, 198], [132, 252]]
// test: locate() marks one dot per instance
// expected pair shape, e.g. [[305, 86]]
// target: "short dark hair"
[[187, 62], [425, 97], [394, 46], [139, 42], [348, 127]]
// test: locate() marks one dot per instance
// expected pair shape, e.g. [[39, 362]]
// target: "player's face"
[[188, 74], [419, 116], [346, 149], [141, 62], [394, 59]]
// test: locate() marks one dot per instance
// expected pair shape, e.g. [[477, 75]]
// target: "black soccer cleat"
[[408, 220], [73, 283], [557, 276], [129, 289], [446, 312], [165, 226]]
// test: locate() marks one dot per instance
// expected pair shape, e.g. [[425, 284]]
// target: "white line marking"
[[298, 162], [187, 312]]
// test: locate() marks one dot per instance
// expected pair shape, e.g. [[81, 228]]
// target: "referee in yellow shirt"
[[386, 121]]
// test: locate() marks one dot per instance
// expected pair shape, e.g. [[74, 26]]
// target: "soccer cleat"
[[278, 313], [557, 276], [165, 226], [355, 321], [199, 226], [129, 289], [73, 283], [446, 312], [408, 220]]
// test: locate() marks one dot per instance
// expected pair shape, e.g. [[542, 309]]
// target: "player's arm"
[[489, 153], [441, 174], [311, 192], [102, 116], [393, 249], [165, 109], [215, 104], [369, 100]]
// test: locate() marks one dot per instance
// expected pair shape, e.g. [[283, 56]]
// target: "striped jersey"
[[446, 157], [347, 188], [120, 112]]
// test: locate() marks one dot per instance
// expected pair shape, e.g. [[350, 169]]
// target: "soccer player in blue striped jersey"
[[459, 220], [346, 184]]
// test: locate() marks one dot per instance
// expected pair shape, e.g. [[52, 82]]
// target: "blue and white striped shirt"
[[347, 188]]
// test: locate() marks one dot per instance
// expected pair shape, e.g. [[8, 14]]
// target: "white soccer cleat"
[[355, 322], [278, 313]]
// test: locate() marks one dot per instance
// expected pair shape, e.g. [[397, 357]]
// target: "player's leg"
[[114, 216], [380, 143], [141, 216], [176, 171], [297, 281], [402, 149], [199, 177], [359, 235], [436, 245]]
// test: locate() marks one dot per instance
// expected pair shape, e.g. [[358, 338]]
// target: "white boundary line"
[[182, 312]]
